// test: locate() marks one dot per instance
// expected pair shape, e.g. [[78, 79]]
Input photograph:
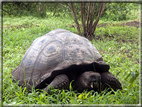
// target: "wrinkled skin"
[[88, 80]]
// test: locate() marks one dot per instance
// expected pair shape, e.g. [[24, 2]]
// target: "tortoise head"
[[87, 80]]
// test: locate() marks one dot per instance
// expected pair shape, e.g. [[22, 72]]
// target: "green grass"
[[119, 47]]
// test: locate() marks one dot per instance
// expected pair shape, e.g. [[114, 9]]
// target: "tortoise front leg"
[[59, 82], [110, 81]]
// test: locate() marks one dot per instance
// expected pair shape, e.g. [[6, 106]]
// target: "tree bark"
[[87, 17], [83, 17], [88, 14], [90, 33], [75, 18], [101, 10]]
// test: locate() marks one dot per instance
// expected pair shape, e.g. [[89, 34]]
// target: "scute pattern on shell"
[[54, 51]]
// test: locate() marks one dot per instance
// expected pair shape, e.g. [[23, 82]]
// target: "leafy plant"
[[124, 11]]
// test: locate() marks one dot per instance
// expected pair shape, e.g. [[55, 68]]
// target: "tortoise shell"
[[55, 53]]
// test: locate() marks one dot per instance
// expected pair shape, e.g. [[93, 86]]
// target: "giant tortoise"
[[60, 57]]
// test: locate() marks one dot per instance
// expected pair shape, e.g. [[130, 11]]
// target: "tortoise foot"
[[59, 82], [110, 81]]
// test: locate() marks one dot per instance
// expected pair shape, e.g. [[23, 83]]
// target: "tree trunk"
[[101, 10], [91, 19], [83, 17], [87, 18], [75, 18], [91, 27]]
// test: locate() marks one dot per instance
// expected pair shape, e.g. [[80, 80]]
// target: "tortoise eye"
[[92, 77]]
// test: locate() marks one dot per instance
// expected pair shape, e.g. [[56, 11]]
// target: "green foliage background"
[[125, 11], [118, 45]]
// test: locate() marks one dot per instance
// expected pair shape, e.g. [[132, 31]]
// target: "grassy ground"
[[118, 45]]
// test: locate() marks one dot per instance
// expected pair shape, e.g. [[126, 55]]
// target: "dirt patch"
[[22, 26], [130, 24], [133, 23]]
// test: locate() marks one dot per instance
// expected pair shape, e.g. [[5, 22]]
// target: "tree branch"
[[83, 17], [75, 18], [6, 12], [101, 10], [91, 16], [88, 14]]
